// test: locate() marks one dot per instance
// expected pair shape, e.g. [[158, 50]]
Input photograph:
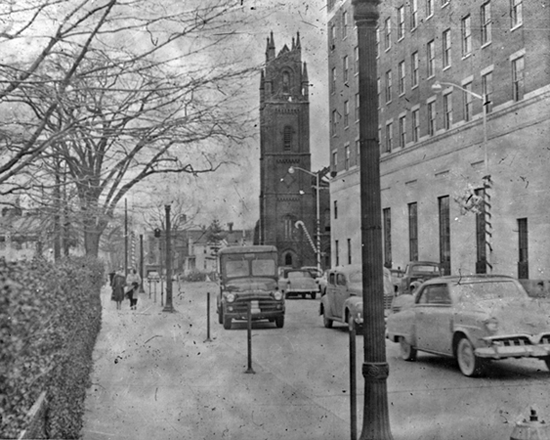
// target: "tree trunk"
[[91, 241]]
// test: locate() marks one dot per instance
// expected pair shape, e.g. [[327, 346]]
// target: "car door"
[[331, 292], [433, 319]]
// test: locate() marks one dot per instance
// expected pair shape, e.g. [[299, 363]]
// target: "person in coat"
[[133, 281], [117, 286]]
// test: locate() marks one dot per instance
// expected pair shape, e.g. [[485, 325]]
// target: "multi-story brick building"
[[441, 63]]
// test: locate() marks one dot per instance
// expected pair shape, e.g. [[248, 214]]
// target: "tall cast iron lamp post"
[[375, 368], [168, 306]]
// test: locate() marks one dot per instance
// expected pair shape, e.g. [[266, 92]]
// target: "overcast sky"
[[231, 194]]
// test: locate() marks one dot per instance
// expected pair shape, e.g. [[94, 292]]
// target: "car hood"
[[251, 284], [516, 316]]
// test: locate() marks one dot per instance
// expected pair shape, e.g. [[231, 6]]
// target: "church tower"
[[286, 198]]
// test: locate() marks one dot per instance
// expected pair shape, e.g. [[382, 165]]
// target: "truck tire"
[[280, 321], [227, 323]]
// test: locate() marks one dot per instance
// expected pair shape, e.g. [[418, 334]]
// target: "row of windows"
[[431, 111]]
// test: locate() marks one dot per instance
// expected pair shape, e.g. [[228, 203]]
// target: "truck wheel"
[[547, 361], [313, 295], [280, 321], [226, 323], [220, 315]]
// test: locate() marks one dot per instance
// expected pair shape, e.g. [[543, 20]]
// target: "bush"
[[50, 315]]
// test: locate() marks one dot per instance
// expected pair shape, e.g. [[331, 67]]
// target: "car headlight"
[[230, 297], [491, 325], [277, 295]]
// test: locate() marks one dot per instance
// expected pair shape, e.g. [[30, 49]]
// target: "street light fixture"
[[437, 87], [291, 170]]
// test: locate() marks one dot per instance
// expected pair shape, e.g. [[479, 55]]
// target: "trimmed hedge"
[[50, 316]]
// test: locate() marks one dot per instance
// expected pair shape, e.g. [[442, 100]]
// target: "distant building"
[[20, 235], [287, 199], [436, 147]]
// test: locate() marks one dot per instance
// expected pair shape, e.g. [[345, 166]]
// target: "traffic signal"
[[157, 232]]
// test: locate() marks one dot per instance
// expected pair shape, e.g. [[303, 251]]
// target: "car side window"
[[331, 278], [341, 279], [435, 294]]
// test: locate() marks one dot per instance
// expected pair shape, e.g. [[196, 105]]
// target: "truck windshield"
[[242, 267], [263, 267]]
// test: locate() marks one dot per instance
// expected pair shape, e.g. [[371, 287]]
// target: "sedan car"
[[343, 298], [294, 282], [418, 271], [474, 319]]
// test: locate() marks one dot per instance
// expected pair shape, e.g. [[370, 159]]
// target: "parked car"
[[294, 282], [418, 271], [396, 277], [315, 273], [474, 319], [248, 275], [344, 295]]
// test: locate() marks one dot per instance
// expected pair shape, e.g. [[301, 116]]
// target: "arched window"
[[286, 82], [287, 138], [288, 259]]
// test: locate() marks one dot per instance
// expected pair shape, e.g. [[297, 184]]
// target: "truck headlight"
[[491, 324], [230, 297], [278, 295]]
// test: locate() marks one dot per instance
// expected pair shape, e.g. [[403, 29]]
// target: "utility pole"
[[125, 237], [168, 307], [375, 368]]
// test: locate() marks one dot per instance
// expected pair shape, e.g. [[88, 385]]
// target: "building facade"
[[464, 129], [288, 211]]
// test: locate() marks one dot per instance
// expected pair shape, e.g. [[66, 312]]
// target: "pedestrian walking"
[[133, 281], [117, 285]]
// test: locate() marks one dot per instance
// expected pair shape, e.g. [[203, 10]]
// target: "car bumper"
[[502, 352]]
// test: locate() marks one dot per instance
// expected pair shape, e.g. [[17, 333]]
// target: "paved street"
[[155, 376]]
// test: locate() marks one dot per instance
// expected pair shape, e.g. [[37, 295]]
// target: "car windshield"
[[425, 269], [298, 274], [489, 290]]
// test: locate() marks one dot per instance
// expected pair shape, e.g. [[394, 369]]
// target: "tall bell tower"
[[286, 199]]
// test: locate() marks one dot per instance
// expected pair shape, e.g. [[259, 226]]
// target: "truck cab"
[[248, 275]]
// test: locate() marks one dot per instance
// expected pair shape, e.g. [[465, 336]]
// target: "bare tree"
[[124, 91]]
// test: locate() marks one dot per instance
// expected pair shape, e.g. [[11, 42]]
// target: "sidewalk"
[[155, 377]]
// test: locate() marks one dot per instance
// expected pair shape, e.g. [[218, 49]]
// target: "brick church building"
[[288, 211]]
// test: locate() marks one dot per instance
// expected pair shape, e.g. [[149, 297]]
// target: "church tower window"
[[286, 82], [287, 138]]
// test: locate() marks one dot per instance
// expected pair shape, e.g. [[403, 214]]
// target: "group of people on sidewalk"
[[125, 287]]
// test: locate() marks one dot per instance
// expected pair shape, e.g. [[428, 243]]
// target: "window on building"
[[402, 131], [288, 227], [388, 86], [335, 160], [356, 55], [286, 82], [357, 106], [415, 65], [415, 125], [345, 65], [349, 250], [414, 14], [430, 55], [516, 12], [333, 80], [357, 151], [337, 252], [386, 220], [429, 8], [287, 137], [346, 157], [487, 90], [377, 42], [523, 247], [481, 236], [448, 110], [413, 231], [431, 118], [387, 33], [346, 113], [378, 91], [335, 205], [334, 121], [333, 37], [402, 73], [485, 16], [517, 78], [400, 22], [467, 100], [446, 43], [466, 34], [389, 137], [345, 24], [444, 234]]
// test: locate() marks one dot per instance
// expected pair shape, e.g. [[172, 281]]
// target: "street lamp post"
[[318, 211], [168, 307], [437, 86]]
